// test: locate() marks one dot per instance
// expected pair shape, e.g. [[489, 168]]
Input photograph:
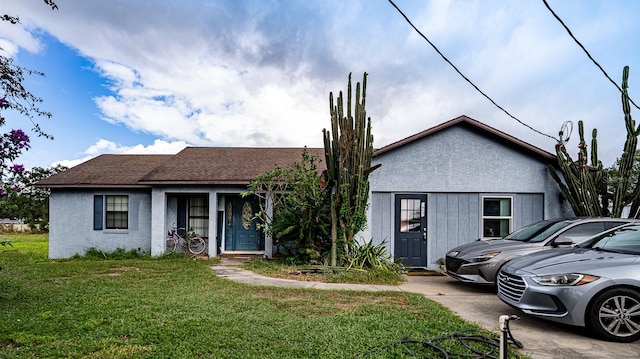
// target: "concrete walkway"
[[541, 339]]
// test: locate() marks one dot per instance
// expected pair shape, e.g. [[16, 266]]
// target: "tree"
[[25, 201], [15, 97], [587, 186], [298, 220], [348, 151]]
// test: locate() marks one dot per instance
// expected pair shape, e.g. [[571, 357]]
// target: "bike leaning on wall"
[[191, 240]]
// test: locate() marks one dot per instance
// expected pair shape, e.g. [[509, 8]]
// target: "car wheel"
[[615, 315]]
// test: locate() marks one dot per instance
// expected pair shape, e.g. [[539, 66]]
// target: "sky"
[[154, 76]]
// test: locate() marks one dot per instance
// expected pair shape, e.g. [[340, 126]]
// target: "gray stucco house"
[[132, 201], [448, 185]]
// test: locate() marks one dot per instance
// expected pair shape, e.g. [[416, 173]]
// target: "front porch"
[[224, 218]]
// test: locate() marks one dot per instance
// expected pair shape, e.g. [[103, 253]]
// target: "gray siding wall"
[[71, 224], [456, 168], [453, 219]]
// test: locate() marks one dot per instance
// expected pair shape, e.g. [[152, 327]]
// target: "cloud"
[[257, 73], [14, 37]]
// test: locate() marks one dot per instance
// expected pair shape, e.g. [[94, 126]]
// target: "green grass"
[[34, 245], [178, 308], [276, 268]]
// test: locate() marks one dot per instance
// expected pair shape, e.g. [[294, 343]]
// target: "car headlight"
[[483, 258], [564, 279]]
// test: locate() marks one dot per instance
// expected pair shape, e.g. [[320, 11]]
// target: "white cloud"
[[13, 37], [257, 73]]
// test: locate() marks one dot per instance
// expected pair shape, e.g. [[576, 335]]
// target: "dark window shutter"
[[97, 212], [182, 213]]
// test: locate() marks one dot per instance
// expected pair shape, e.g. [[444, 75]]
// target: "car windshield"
[[538, 231], [625, 239], [549, 231]]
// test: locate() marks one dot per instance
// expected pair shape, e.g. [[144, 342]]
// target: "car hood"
[[493, 245], [570, 260]]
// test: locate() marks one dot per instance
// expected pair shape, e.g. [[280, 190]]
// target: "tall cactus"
[[583, 185], [586, 186], [627, 193], [348, 151]]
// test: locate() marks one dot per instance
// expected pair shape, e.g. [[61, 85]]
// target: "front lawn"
[[280, 269], [178, 308]]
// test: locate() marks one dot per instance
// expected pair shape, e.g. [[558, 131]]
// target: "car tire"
[[614, 315]]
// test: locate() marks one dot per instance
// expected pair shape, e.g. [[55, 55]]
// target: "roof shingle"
[[193, 165]]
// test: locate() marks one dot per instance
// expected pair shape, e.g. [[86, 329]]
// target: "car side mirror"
[[563, 241]]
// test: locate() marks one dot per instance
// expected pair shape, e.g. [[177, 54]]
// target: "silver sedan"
[[595, 284], [479, 261]]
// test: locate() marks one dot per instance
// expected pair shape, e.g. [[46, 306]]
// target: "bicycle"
[[193, 242]]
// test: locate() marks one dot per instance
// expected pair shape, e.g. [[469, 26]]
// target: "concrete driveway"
[[541, 339]]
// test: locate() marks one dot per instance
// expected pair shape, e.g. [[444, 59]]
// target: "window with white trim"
[[497, 216]]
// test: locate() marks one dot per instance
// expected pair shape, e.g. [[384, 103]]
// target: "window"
[[117, 212], [582, 231], [411, 212], [114, 210], [496, 216], [199, 215]]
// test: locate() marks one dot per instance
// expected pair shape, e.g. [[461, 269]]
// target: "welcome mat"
[[416, 271]]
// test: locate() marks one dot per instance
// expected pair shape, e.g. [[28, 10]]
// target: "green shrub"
[[120, 253], [368, 255], [300, 223]]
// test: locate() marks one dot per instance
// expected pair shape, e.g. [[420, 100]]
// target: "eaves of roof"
[[193, 166]]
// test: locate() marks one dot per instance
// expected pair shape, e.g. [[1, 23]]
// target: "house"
[[448, 185], [455, 183], [132, 201]]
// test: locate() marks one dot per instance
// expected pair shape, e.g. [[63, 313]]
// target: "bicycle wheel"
[[197, 245], [171, 244]]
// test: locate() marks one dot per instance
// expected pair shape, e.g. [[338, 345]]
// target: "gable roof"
[[476, 127], [193, 165]]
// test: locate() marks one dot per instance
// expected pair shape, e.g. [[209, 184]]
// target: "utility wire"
[[585, 50], [463, 76]]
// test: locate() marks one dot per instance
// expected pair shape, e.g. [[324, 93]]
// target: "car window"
[[583, 231], [527, 232], [548, 232], [613, 224], [624, 240]]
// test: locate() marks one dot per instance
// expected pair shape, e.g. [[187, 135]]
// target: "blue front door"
[[241, 230], [411, 230]]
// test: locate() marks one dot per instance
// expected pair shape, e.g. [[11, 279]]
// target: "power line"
[[585, 50], [463, 76]]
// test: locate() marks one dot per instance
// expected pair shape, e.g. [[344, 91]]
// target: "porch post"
[[268, 241], [213, 224], [158, 215]]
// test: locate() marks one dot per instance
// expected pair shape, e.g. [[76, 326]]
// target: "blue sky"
[[152, 76]]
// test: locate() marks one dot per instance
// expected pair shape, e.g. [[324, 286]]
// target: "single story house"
[[448, 185], [132, 201]]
